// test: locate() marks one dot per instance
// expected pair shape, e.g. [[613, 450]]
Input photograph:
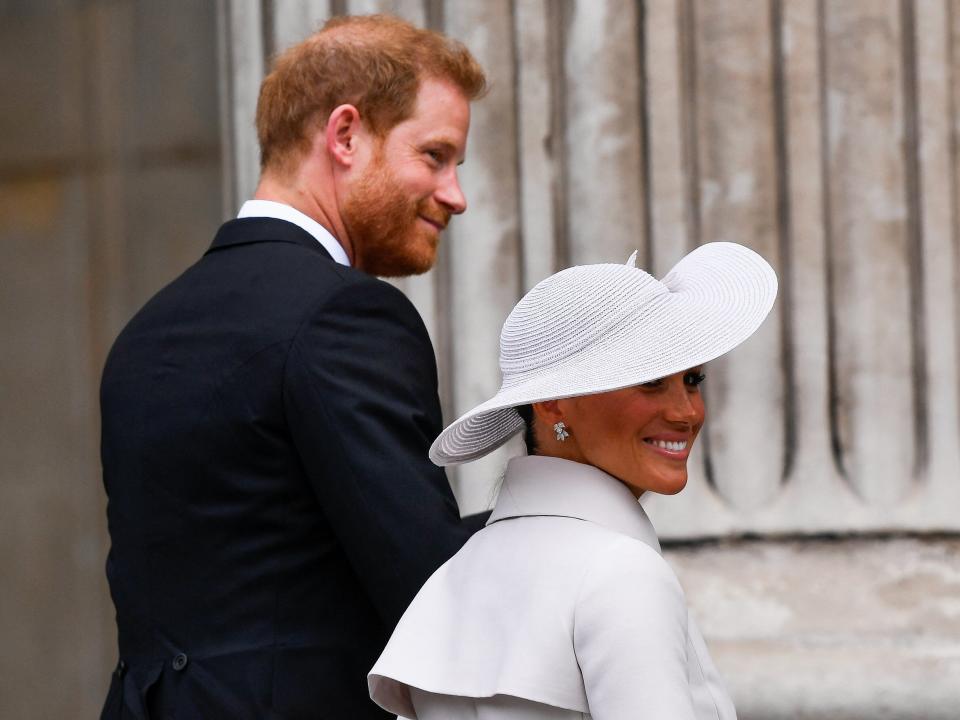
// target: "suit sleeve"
[[630, 637], [360, 393]]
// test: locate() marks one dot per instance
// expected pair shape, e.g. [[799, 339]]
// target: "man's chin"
[[399, 270], [412, 261]]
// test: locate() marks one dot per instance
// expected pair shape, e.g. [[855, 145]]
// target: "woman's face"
[[642, 435]]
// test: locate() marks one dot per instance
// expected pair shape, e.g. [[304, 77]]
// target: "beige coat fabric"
[[562, 601]]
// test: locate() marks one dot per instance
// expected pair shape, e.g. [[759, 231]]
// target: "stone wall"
[[822, 133], [817, 538], [839, 628], [109, 186]]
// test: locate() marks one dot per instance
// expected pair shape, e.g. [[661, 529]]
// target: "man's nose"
[[450, 195]]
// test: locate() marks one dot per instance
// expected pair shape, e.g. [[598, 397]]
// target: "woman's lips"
[[675, 449]]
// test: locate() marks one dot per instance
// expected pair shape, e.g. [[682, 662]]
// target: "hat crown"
[[570, 311]]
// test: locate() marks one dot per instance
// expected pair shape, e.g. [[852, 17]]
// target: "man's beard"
[[387, 237]]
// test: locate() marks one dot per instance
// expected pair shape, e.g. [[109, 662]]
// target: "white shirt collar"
[[281, 211], [537, 485]]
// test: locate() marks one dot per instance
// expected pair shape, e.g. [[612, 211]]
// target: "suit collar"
[[282, 211], [535, 485], [244, 231]]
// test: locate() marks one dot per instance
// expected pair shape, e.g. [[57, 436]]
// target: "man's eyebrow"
[[444, 143]]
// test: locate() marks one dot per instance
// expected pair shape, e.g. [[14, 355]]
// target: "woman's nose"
[[684, 404]]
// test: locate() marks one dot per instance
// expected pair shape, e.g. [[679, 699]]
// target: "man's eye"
[[436, 156]]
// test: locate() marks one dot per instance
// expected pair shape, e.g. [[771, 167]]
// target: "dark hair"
[[529, 438]]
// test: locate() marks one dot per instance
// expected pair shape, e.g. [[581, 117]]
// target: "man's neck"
[[295, 194]]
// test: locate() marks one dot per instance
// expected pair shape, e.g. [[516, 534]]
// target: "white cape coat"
[[563, 600]]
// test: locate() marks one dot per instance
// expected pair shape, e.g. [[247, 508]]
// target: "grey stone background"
[[110, 185], [818, 537]]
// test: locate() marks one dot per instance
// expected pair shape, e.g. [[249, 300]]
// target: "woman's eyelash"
[[690, 379]]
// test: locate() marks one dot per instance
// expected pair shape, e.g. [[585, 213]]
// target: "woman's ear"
[[342, 132], [547, 412], [552, 428]]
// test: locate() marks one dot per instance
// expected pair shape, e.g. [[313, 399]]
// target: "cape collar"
[[536, 485]]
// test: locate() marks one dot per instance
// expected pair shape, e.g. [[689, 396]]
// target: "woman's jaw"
[[641, 435]]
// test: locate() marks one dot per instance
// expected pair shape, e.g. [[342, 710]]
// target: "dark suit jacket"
[[272, 510]]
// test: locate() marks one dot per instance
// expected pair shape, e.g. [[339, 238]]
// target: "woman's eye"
[[653, 383], [693, 379]]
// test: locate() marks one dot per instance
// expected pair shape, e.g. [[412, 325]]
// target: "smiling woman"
[[641, 435], [562, 607]]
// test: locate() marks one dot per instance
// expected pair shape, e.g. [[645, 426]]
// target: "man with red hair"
[[267, 416]]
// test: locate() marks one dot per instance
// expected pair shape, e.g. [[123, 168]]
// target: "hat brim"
[[717, 296]]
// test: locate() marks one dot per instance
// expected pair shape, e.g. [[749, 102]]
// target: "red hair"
[[374, 62]]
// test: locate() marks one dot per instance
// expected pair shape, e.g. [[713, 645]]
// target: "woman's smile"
[[670, 447], [642, 435]]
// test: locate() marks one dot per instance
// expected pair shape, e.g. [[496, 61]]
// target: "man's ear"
[[342, 132]]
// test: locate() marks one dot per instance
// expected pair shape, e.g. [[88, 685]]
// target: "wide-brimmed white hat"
[[594, 328]]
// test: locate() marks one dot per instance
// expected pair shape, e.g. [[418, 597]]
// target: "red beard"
[[389, 239]]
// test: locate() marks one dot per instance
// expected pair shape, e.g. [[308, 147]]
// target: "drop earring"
[[561, 430]]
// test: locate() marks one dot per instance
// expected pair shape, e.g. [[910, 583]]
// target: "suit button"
[[121, 669], [179, 662]]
